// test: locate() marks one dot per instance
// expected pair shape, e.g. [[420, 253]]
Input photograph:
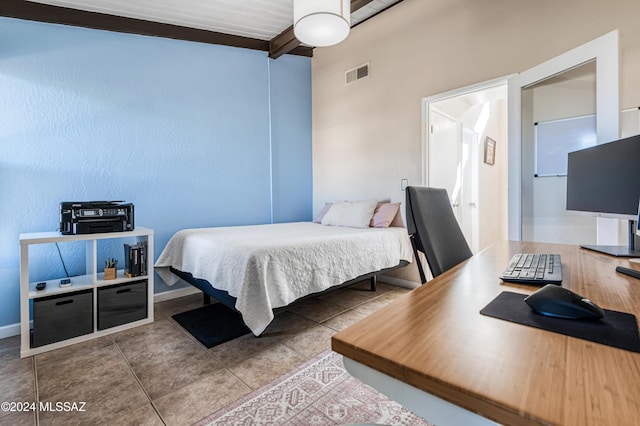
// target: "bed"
[[263, 267]]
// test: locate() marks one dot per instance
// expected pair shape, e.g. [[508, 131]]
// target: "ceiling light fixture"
[[321, 22]]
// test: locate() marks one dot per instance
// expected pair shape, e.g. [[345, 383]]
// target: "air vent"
[[357, 73]]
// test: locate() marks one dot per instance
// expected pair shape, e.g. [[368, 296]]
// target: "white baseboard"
[[9, 330], [398, 281], [14, 329], [174, 294]]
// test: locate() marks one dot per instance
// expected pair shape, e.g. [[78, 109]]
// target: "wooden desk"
[[435, 340]]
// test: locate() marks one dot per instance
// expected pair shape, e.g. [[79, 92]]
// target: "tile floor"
[[159, 374]]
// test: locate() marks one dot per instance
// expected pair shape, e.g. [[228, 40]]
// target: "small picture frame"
[[489, 151]]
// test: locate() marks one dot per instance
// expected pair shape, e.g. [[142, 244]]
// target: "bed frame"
[[224, 297]]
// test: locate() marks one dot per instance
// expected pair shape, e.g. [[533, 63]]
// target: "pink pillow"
[[324, 211], [384, 215]]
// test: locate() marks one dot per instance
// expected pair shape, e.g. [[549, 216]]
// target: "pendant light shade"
[[321, 22]]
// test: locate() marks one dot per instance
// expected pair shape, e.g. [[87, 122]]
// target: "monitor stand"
[[620, 251]]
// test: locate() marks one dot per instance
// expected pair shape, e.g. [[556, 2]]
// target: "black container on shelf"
[[121, 304], [63, 316]]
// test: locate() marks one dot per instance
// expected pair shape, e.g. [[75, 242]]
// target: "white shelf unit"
[[93, 279]]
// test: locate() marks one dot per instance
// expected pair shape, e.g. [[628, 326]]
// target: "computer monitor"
[[638, 221], [604, 181]]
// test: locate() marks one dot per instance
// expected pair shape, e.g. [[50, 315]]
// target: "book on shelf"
[[135, 259]]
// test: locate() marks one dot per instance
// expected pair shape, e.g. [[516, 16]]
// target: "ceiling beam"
[[357, 4], [283, 43], [286, 41], [32, 11]]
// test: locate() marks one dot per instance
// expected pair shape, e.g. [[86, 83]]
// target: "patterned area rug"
[[320, 392]]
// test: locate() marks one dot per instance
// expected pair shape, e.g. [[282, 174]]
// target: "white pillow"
[[355, 214]]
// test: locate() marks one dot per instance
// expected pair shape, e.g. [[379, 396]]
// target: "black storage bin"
[[62, 317], [121, 304]]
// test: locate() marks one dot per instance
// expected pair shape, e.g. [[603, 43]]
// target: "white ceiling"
[[259, 19]]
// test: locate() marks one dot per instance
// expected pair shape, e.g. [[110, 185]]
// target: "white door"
[[445, 156], [604, 51], [453, 165], [469, 197]]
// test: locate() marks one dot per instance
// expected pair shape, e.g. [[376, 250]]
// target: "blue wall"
[[195, 135]]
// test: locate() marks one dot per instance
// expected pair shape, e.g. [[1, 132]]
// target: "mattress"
[[269, 266]]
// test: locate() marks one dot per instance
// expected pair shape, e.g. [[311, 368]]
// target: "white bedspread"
[[269, 266]]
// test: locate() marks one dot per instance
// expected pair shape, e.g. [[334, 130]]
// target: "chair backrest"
[[434, 229]]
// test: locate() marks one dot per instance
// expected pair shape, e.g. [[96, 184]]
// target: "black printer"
[[92, 217]]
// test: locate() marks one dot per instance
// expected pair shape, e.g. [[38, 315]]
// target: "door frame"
[[447, 95], [605, 51], [426, 124]]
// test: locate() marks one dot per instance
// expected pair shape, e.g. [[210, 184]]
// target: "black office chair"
[[434, 230]]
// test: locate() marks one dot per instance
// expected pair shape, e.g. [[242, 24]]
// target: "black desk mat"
[[617, 329]]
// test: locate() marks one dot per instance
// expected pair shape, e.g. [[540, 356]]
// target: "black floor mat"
[[212, 324]]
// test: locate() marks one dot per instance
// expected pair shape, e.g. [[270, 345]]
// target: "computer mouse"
[[555, 301]]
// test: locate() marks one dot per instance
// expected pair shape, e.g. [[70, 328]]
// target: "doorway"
[[560, 118], [604, 53], [504, 198], [457, 124]]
